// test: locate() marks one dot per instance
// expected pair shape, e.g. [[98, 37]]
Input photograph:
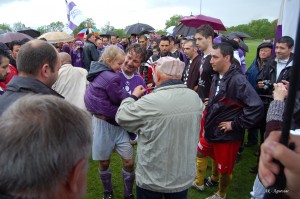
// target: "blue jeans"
[[146, 194]]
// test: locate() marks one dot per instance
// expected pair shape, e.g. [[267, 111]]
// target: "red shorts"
[[223, 153]]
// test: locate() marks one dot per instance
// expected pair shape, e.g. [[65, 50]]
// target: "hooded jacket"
[[235, 101], [20, 86], [254, 68], [104, 93]]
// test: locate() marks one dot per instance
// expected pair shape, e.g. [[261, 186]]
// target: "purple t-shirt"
[[129, 83]]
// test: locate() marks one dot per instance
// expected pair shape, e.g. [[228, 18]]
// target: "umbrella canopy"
[[243, 46], [84, 31], [138, 28], [198, 20], [13, 36], [170, 30], [181, 29], [4, 31], [56, 37], [31, 32], [108, 33], [241, 35]]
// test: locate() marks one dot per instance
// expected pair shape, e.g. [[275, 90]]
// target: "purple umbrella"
[[13, 36], [198, 20]]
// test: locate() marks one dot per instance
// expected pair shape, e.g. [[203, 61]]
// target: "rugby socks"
[[128, 178], [201, 170], [105, 177], [224, 182], [214, 171]]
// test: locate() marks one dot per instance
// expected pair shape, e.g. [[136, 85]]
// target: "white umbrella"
[[56, 37]]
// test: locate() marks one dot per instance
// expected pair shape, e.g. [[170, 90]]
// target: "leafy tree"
[[161, 32], [258, 29], [18, 26], [56, 26], [88, 23], [5, 26], [43, 29], [120, 33], [107, 27], [173, 21]]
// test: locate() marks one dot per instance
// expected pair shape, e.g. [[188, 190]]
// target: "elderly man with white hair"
[[167, 122]]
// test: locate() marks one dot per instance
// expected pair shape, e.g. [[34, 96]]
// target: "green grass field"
[[242, 179]]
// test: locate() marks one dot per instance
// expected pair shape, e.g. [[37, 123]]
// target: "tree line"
[[258, 29]]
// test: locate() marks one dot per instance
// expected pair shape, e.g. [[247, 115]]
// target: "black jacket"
[[269, 73], [90, 53], [236, 101], [19, 87]]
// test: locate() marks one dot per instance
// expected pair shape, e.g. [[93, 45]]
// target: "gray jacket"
[[168, 123]]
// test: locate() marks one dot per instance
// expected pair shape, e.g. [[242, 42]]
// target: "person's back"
[[45, 144], [170, 107], [71, 82]]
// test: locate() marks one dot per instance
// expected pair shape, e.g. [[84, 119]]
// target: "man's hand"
[[226, 126], [280, 92], [272, 149], [139, 91]]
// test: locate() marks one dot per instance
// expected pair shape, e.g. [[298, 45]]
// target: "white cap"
[[170, 66]]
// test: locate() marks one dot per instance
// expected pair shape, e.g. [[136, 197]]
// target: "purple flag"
[[75, 16]]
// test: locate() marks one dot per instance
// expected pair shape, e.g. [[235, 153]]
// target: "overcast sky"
[[120, 13]]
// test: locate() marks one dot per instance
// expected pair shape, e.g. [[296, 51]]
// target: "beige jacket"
[[168, 123], [71, 83]]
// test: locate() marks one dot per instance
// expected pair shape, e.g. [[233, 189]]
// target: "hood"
[[263, 45], [234, 69], [96, 69]]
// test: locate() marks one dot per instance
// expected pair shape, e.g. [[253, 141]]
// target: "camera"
[[268, 84]]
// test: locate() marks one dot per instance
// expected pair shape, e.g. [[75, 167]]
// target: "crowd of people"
[[180, 100]]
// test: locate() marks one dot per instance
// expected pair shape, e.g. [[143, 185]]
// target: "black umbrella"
[[241, 35], [184, 30], [243, 46], [31, 32], [138, 29], [3, 31], [108, 33]]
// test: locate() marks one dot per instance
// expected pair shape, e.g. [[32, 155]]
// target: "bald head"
[[34, 54], [65, 58]]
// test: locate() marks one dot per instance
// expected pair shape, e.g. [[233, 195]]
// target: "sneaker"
[[108, 195], [210, 183], [198, 187], [131, 196], [216, 196], [133, 138]]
